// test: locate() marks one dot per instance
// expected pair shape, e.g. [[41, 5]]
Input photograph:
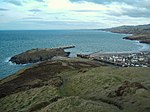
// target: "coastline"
[[144, 44], [140, 33], [61, 82], [140, 38], [137, 37], [74, 40]]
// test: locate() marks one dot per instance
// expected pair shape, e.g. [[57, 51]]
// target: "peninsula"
[[40, 54]]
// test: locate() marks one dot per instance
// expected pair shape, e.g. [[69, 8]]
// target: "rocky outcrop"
[[145, 41], [135, 37], [126, 88], [140, 38], [36, 55]]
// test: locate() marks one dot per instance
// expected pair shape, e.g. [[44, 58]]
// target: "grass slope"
[[85, 88]]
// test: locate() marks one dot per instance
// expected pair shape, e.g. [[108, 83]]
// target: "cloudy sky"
[[72, 14]]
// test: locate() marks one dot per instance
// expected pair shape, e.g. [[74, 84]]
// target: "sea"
[[86, 41]]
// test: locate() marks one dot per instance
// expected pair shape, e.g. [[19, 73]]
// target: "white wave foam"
[[143, 47], [7, 60]]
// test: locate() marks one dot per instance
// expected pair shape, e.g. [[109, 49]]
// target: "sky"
[[72, 14]]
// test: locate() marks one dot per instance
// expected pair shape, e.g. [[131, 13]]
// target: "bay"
[[86, 41]]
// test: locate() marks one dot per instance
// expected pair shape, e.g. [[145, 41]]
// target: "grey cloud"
[[32, 18], [134, 12], [137, 3], [14, 2], [140, 8], [19, 2], [105, 1], [35, 10], [137, 12], [95, 1], [55, 13], [3, 9], [40, 0]]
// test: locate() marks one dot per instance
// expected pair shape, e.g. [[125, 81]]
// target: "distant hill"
[[140, 32], [140, 29]]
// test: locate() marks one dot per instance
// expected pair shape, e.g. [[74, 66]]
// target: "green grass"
[[23, 100], [76, 104], [99, 81], [84, 90]]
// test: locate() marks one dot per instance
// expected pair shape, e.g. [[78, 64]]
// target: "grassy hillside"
[[139, 29], [86, 86]]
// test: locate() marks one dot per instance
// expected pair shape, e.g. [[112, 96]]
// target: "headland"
[[140, 32]]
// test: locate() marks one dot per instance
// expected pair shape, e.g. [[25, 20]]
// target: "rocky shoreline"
[[141, 38]]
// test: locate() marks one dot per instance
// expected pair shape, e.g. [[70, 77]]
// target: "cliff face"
[[36, 55], [140, 32]]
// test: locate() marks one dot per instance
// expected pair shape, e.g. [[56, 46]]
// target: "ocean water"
[[86, 41]]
